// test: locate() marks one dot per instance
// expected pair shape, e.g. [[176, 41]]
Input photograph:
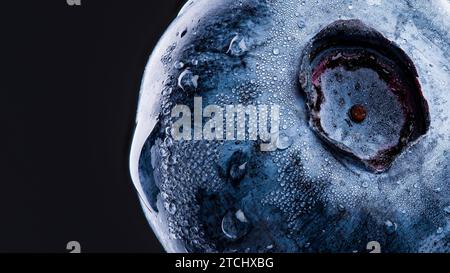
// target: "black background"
[[69, 84]]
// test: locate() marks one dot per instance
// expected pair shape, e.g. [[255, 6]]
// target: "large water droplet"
[[187, 80], [237, 46], [235, 225], [283, 142]]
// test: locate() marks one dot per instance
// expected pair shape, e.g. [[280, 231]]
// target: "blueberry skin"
[[210, 196]]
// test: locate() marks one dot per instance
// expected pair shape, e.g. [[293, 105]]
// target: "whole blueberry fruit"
[[344, 139]]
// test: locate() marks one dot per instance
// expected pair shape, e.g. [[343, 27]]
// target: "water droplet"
[[284, 142], [440, 230], [167, 92], [179, 65], [237, 46], [170, 207], [301, 24], [276, 51], [232, 227], [365, 184], [187, 79], [390, 227]]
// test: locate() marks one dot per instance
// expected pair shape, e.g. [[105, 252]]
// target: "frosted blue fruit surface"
[[211, 196]]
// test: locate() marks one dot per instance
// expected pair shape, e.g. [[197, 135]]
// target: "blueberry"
[[354, 154]]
